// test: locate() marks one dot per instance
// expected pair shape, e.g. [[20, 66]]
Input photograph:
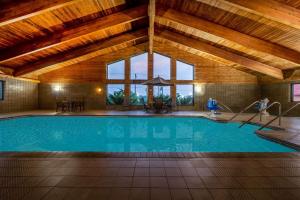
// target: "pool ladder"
[[244, 110], [279, 116], [224, 107], [260, 113]]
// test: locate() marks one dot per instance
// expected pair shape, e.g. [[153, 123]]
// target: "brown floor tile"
[[99, 193], [180, 194], [260, 194], [160, 194], [184, 163], [188, 171], [37, 193], [157, 171], [176, 182], [142, 171], [241, 194], [200, 194], [194, 182], [122, 182], [143, 163], [51, 181], [220, 182], [204, 172], [119, 193], [141, 182], [173, 171], [171, 163], [57, 194], [158, 182], [156, 163], [221, 194], [139, 194], [125, 171]]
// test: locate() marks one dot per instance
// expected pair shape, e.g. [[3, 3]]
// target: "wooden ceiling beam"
[[14, 11], [215, 51], [245, 40], [151, 14], [269, 9], [82, 53], [6, 71], [58, 38]]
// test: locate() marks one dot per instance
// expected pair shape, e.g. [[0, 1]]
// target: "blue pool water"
[[130, 134]]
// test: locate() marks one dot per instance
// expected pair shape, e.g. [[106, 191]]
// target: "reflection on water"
[[128, 134]]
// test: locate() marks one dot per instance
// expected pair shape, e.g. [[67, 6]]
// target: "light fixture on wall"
[[98, 90], [200, 89], [57, 88]]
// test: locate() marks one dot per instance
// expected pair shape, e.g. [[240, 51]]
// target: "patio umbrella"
[[158, 81]]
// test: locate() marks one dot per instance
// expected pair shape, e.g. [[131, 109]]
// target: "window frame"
[[187, 64], [147, 94], [147, 66], [107, 86], [292, 91], [193, 101], [2, 83], [113, 63], [153, 75]]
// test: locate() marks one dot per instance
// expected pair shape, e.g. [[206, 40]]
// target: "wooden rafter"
[[83, 53], [6, 71], [14, 11], [189, 21], [151, 14], [66, 35], [215, 51], [270, 9]]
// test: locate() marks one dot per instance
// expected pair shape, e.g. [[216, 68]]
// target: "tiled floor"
[[79, 176], [253, 177]]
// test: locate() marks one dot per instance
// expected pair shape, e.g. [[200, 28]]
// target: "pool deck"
[[122, 176]]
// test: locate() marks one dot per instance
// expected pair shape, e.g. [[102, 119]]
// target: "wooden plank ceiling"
[[261, 37]]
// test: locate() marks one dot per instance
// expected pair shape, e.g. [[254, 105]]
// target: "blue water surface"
[[130, 134]]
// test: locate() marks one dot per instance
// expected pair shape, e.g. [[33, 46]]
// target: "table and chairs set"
[[70, 105]]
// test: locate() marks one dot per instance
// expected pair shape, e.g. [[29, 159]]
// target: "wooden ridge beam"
[[82, 53], [14, 11], [58, 38], [196, 23], [269, 9], [151, 14], [218, 52]]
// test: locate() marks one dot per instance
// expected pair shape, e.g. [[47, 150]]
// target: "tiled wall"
[[280, 92], [50, 93], [19, 95]]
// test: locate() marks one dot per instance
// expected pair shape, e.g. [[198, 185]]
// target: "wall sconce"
[[98, 90], [57, 88], [200, 89]]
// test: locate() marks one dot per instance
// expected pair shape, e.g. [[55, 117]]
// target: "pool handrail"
[[222, 105], [260, 113], [244, 110], [282, 114]]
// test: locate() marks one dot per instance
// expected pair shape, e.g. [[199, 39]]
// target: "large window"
[[184, 71], [138, 94], [184, 94], [116, 70], [162, 92], [115, 94], [296, 92], [1, 90], [161, 66], [139, 67]]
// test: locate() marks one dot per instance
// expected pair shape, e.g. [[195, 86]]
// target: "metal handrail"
[[224, 106], [284, 113], [260, 112], [244, 110]]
